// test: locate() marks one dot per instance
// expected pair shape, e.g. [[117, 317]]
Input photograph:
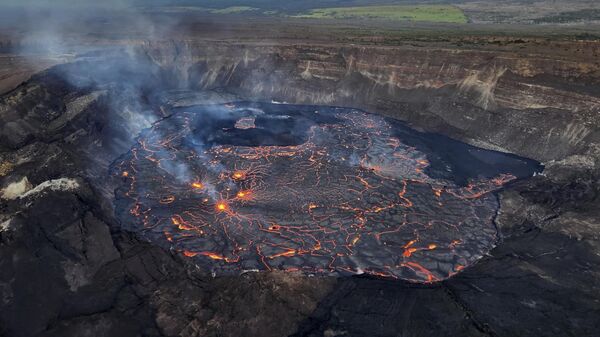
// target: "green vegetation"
[[427, 13], [233, 10], [432, 13]]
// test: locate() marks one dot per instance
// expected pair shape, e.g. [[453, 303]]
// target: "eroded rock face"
[[528, 104], [68, 269]]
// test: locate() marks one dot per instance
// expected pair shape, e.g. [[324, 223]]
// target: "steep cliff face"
[[531, 104]]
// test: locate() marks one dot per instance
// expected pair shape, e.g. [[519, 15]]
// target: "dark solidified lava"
[[313, 189]]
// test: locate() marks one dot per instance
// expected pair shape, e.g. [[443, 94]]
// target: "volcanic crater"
[[210, 186]]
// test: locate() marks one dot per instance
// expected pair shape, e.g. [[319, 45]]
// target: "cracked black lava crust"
[[323, 190]]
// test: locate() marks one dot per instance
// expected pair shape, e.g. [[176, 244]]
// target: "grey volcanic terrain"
[[161, 174]]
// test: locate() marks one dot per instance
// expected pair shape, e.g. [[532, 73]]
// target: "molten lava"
[[238, 175], [222, 206], [351, 197]]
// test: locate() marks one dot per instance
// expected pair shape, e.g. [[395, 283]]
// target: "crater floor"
[[322, 190]]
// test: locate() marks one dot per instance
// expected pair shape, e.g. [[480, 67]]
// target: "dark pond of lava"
[[315, 189]]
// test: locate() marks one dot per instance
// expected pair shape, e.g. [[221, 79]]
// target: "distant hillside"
[[286, 5], [476, 11], [543, 12]]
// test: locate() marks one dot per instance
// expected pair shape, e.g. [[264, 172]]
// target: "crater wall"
[[68, 268], [534, 105]]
